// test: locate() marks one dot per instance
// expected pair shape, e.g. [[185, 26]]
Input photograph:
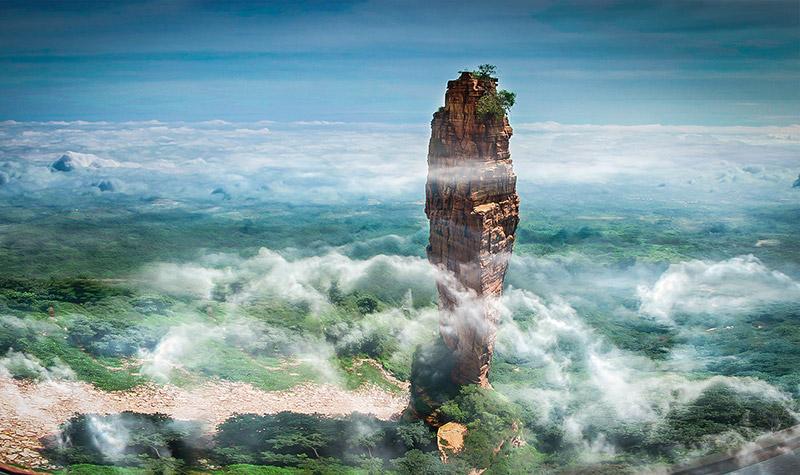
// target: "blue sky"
[[609, 62]]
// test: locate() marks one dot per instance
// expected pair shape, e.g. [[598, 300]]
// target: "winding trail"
[[30, 411]]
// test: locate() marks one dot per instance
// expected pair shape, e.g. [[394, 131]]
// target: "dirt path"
[[29, 411]]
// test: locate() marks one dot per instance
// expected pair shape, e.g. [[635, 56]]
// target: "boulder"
[[450, 439]]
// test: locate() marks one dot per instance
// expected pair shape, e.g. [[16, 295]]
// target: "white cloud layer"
[[736, 285], [587, 384], [310, 161], [271, 274], [584, 381], [23, 365]]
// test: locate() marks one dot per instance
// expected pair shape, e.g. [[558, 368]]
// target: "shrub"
[[21, 333], [485, 71], [110, 337], [474, 403], [506, 99], [414, 434], [149, 305], [85, 367], [495, 105], [366, 304], [417, 462], [82, 291], [517, 461]]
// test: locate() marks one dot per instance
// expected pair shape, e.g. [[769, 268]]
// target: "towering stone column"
[[473, 208]]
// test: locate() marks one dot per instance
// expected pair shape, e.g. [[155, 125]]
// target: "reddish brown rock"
[[473, 208]]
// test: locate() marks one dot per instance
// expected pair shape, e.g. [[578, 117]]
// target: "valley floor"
[[31, 411]]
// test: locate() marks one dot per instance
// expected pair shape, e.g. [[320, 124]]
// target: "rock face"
[[450, 439], [473, 208]]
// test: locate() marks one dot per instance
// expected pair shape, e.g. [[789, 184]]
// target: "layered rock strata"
[[473, 208]]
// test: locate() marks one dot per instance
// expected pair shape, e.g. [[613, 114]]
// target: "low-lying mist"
[[557, 353]]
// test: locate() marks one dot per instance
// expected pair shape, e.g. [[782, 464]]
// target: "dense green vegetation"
[[663, 234], [720, 409], [496, 105], [289, 439], [98, 241], [42, 241], [286, 442], [763, 346], [493, 424], [289, 443], [99, 329], [152, 441], [91, 469]]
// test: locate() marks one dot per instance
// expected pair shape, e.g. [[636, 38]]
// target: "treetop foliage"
[[495, 104], [485, 71]]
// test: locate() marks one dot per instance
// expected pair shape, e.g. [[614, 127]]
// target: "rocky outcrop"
[[450, 439], [472, 205]]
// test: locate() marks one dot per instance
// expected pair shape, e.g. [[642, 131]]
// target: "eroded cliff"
[[473, 208]]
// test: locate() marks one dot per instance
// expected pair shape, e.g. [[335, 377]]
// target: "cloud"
[[408, 283], [183, 279], [109, 435], [308, 279], [108, 185], [369, 162], [583, 383], [558, 308], [73, 161], [404, 281], [638, 154], [22, 365], [174, 349], [736, 285], [589, 387], [185, 347]]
